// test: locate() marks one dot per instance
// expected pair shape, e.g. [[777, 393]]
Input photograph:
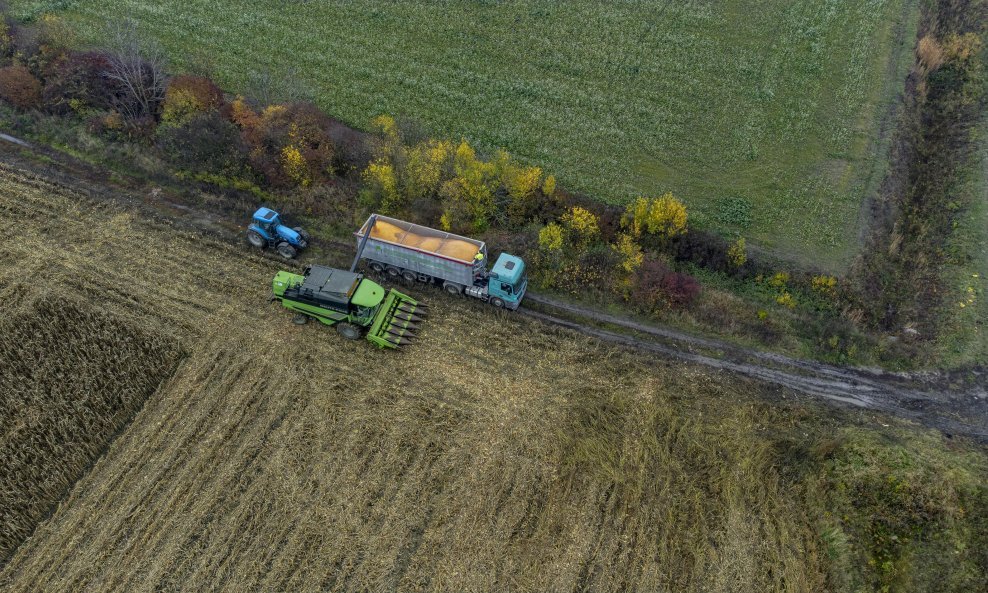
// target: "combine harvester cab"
[[357, 306], [413, 253]]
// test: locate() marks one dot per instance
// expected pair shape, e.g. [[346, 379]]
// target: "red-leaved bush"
[[657, 285], [19, 87], [298, 130], [77, 80]]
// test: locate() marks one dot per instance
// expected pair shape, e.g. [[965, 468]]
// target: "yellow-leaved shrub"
[[551, 238], [737, 253], [664, 216], [583, 224]]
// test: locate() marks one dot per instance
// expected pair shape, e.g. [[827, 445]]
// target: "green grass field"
[[763, 116]]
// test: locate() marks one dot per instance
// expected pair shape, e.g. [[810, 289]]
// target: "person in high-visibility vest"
[[478, 271]]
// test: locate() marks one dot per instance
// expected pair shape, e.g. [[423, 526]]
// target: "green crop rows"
[[777, 103]]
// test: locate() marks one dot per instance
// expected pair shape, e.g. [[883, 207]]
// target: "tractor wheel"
[[453, 288], [286, 251], [409, 277], [376, 267], [349, 331], [300, 319], [302, 233], [255, 239], [497, 303]]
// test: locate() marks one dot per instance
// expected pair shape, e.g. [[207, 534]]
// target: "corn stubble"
[[496, 454], [71, 378]]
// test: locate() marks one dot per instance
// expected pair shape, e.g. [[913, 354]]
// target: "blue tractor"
[[267, 231]]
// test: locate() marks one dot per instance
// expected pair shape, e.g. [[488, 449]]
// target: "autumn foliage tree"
[[665, 217], [412, 175], [468, 198], [76, 82], [187, 96], [289, 144], [737, 253], [583, 226]]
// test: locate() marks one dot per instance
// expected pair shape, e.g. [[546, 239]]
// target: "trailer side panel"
[[418, 261]]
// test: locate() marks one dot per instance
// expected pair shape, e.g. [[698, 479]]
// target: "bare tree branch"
[[138, 71]]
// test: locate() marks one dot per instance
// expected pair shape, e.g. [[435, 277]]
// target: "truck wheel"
[[300, 319], [255, 239], [453, 288], [376, 267], [497, 303], [409, 277], [349, 331], [286, 251]]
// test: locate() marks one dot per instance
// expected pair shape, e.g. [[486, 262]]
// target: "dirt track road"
[[957, 404], [931, 399]]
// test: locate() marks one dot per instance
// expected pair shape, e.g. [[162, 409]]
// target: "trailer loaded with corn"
[[414, 253]]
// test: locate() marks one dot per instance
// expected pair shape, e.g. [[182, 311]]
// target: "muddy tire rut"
[[956, 403]]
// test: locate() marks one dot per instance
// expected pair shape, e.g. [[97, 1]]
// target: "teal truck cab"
[[504, 285]]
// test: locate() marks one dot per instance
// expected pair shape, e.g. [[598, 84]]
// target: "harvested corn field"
[[72, 378], [496, 454]]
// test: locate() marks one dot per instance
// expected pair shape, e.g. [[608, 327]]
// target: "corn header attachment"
[[357, 307], [396, 321]]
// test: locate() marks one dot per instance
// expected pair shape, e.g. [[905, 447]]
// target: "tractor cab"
[[268, 220]]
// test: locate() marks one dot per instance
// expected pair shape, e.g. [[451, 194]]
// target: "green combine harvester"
[[355, 305]]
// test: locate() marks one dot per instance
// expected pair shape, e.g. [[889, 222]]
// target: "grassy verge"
[[963, 340]]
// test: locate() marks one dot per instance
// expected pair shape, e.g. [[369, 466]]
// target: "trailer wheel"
[[285, 250], [392, 272], [349, 331], [453, 288], [497, 303], [255, 239], [409, 277], [376, 267]]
